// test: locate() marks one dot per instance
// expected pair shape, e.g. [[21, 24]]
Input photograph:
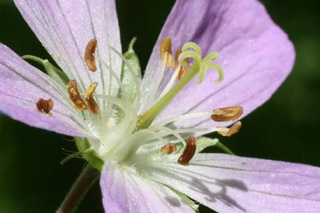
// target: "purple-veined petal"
[[254, 52], [21, 86], [65, 28], [124, 191], [228, 183]]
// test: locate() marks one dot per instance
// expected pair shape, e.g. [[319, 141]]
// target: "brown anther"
[[183, 69], [232, 130], [169, 148], [188, 152], [45, 106], [165, 52], [227, 113], [91, 103], [88, 55], [75, 96]]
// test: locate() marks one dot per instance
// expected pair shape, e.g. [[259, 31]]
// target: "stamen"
[[227, 113], [91, 103], [232, 130], [165, 52], [154, 134], [75, 95], [45, 106], [88, 55], [120, 103], [181, 68], [169, 131], [203, 130], [169, 148], [170, 83], [188, 151], [157, 83], [136, 80], [181, 117], [143, 137], [116, 78], [130, 117]]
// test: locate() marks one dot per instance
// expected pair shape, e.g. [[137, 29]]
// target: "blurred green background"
[[285, 128]]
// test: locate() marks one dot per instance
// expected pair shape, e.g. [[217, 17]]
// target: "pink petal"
[[65, 28], [21, 86], [254, 52], [125, 191], [228, 183]]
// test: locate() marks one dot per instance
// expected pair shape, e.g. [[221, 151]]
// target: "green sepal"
[[127, 78], [187, 200], [204, 142], [83, 146], [224, 148], [55, 73]]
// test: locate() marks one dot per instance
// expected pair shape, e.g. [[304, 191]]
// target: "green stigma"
[[199, 66]]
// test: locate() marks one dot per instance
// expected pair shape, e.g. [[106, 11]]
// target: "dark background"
[[285, 128]]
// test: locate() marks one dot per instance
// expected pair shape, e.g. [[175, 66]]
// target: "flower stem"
[[80, 187]]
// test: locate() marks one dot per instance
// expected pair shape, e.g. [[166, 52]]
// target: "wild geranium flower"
[[145, 136]]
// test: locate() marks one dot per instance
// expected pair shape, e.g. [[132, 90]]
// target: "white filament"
[[115, 76], [136, 80], [180, 118], [150, 99], [169, 131], [171, 82]]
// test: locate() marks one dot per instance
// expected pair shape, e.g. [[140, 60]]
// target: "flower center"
[[122, 133]]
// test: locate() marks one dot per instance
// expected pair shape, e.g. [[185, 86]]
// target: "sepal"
[[56, 74], [83, 146], [126, 77]]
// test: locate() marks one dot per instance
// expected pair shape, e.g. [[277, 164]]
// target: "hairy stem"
[[79, 189]]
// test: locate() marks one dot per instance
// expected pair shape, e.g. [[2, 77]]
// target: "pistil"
[[181, 69], [198, 65]]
